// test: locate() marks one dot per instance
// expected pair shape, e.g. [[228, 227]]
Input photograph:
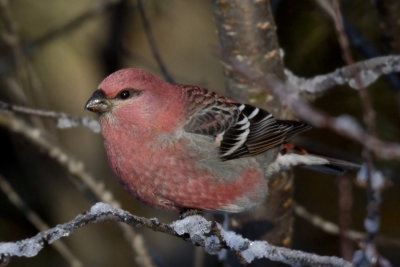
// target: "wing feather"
[[245, 130]]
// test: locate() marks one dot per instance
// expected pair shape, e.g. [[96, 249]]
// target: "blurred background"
[[70, 46]]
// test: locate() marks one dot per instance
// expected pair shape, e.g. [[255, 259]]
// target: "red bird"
[[184, 147]]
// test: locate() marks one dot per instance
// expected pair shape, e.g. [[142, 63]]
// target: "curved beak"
[[98, 103]]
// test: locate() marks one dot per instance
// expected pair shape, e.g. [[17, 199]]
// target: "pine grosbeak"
[[182, 146]]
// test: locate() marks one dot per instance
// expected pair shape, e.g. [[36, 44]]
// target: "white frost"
[[348, 123], [196, 226], [366, 78], [101, 207], [24, 248], [371, 225], [233, 240], [212, 245], [65, 123], [377, 178], [256, 250]]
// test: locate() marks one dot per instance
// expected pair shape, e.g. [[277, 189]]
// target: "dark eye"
[[124, 94]]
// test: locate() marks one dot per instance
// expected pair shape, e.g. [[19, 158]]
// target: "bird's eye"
[[124, 94]]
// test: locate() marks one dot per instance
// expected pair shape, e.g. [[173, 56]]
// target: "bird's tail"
[[333, 166], [291, 156]]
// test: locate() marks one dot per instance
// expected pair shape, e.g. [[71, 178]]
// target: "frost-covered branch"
[[368, 71], [63, 120], [344, 125], [198, 230]]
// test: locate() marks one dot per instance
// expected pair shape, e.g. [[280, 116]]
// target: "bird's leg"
[[186, 212]]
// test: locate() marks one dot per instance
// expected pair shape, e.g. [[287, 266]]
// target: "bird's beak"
[[98, 103]]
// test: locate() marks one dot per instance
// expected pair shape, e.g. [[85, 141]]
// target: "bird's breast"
[[179, 170]]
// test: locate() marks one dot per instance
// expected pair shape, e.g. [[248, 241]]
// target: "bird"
[[181, 147]]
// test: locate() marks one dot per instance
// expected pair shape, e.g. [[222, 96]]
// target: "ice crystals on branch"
[[68, 122], [202, 233], [348, 123], [208, 234], [377, 178]]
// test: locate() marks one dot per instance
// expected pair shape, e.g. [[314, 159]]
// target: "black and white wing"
[[243, 130], [256, 131]]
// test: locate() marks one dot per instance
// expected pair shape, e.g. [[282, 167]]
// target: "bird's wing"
[[243, 130]]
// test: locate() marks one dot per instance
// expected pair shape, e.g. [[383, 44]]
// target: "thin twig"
[[372, 221], [369, 116], [35, 219], [333, 229], [345, 205], [26, 75], [82, 178], [194, 228], [64, 120], [11, 39], [152, 42]]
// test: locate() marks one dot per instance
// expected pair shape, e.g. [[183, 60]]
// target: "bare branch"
[[368, 71], [38, 222], [201, 232], [64, 120], [333, 229]]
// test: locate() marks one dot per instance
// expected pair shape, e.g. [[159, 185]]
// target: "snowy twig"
[[366, 48], [64, 120], [35, 219], [197, 229], [81, 177], [368, 71]]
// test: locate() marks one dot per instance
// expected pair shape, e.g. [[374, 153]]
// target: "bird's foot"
[[186, 212]]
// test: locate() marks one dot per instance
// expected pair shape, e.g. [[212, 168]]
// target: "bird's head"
[[133, 96]]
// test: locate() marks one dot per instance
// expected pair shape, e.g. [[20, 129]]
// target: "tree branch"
[[344, 125], [368, 71], [64, 120], [333, 229], [196, 229]]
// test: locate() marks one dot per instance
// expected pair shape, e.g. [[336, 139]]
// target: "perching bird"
[[184, 147]]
